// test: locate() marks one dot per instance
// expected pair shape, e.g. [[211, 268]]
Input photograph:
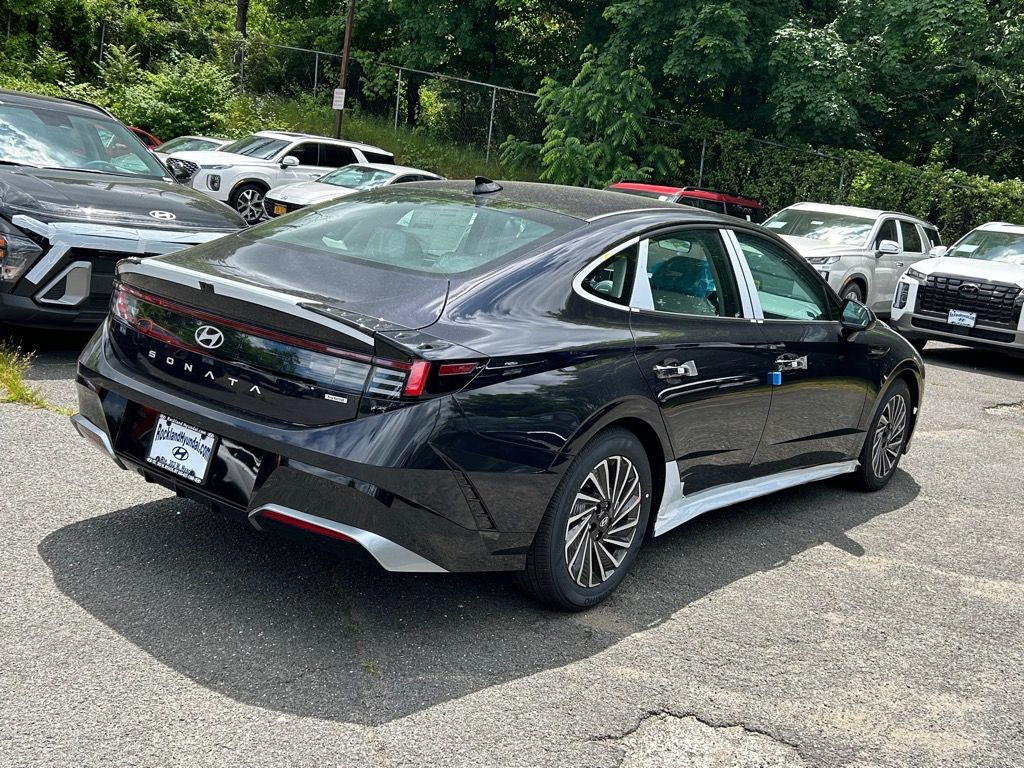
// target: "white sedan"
[[344, 181]]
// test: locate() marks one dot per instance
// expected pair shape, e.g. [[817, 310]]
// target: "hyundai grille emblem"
[[180, 453], [163, 215], [969, 288], [209, 337]]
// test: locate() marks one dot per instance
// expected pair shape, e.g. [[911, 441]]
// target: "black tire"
[[875, 471], [918, 344], [247, 199], [853, 291], [549, 574]]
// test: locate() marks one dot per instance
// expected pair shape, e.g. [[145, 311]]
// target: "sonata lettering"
[[170, 362]]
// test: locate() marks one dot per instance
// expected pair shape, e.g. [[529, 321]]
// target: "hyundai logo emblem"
[[163, 215], [969, 288], [180, 454], [209, 337]]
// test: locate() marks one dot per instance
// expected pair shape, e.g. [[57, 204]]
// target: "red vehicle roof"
[[704, 194]]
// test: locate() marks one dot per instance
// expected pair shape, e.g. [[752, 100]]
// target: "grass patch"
[[14, 364], [370, 668]]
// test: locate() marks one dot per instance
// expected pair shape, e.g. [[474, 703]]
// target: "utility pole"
[[344, 66]]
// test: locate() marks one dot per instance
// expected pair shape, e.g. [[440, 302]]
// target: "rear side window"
[[334, 156], [911, 238], [744, 212], [439, 235], [700, 202], [378, 157], [612, 280]]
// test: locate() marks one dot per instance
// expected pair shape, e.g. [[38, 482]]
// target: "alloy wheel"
[[250, 205], [889, 433], [603, 521]]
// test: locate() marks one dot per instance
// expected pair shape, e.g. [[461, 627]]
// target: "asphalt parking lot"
[[815, 627]]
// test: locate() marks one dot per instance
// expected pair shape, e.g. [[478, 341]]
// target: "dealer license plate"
[[280, 210], [181, 449], [959, 317]]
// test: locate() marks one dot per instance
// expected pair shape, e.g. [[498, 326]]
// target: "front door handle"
[[790, 362], [899, 263], [674, 370]]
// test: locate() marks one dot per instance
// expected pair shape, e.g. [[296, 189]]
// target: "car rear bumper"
[[410, 507]]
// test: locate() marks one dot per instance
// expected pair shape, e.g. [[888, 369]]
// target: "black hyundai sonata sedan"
[[465, 377]]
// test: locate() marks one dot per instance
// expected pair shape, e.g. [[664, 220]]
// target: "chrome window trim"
[[753, 301], [577, 281]]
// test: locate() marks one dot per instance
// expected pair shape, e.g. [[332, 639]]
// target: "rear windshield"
[[425, 233]]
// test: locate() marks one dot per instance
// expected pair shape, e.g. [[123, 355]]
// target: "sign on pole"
[[339, 98]]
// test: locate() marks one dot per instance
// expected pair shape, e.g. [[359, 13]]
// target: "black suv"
[[79, 192]]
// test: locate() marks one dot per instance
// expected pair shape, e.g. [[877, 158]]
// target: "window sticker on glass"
[[775, 224], [968, 248]]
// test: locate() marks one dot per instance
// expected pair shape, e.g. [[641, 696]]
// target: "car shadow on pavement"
[[989, 362], [286, 627]]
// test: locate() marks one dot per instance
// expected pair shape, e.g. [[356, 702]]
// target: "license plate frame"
[[961, 318], [171, 439]]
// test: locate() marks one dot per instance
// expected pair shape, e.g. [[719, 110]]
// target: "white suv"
[[971, 294], [861, 252], [241, 172]]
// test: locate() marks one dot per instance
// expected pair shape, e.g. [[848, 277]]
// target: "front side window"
[[51, 138], [990, 246], [831, 228], [612, 279], [432, 233], [786, 287], [887, 232], [689, 274], [933, 237], [911, 239], [307, 153]]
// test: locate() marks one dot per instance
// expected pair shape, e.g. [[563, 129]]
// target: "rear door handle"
[[790, 362], [676, 370]]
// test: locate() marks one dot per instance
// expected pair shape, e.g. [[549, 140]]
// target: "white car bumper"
[[918, 318]]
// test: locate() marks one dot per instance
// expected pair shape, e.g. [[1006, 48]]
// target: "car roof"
[[851, 210], [1002, 226], [71, 106], [578, 202], [699, 192], [291, 136]]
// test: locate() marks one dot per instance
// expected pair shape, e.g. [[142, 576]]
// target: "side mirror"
[[856, 316], [890, 247], [937, 251], [289, 161]]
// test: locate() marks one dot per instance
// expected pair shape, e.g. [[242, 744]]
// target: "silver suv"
[[971, 294], [861, 252]]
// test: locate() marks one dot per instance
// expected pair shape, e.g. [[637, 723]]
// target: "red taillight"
[[416, 381], [457, 369], [304, 525]]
